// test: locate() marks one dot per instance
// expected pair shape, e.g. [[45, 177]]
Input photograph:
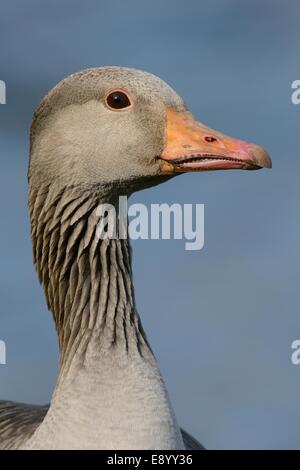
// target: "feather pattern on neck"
[[109, 382], [87, 281]]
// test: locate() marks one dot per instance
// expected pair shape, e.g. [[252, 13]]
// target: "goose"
[[98, 134]]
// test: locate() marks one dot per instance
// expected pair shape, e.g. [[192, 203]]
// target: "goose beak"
[[191, 146]]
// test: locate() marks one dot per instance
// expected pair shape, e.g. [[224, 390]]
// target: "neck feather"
[[109, 393], [87, 281]]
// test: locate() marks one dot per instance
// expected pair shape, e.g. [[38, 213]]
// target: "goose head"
[[128, 129]]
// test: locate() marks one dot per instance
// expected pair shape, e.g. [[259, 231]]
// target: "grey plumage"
[[18, 422], [82, 155]]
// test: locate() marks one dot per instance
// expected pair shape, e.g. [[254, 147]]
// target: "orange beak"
[[191, 146]]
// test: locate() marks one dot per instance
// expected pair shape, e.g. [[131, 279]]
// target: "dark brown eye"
[[210, 139], [117, 100]]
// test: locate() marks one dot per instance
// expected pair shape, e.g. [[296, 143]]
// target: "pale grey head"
[[78, 139]]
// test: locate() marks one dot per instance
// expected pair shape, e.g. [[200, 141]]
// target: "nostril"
[[210, 139]]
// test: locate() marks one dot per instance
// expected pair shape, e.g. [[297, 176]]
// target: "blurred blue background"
[[221, 320]]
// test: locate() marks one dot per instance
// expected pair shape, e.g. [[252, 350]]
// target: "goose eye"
[[210, 139], [117, 100]]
